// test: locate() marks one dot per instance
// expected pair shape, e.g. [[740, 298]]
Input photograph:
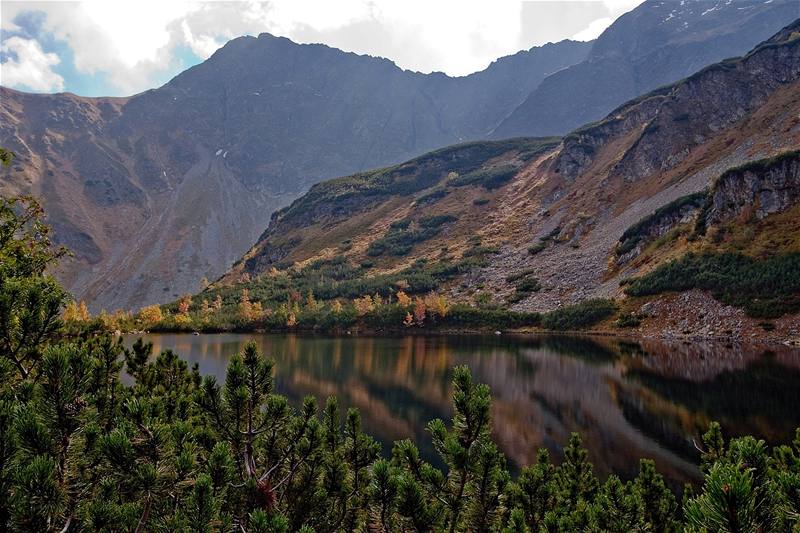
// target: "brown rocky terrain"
[[562, 207]]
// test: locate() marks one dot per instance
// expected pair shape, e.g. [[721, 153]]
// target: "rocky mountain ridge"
[[559, 209], [157, 190], [653, 45]]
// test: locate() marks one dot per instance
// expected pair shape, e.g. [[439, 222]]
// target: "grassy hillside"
[[377, 218]]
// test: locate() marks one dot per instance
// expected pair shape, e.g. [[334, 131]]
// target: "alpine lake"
[[628, 399]]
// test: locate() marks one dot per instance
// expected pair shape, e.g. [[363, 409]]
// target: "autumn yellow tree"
[[113, 321], [409, 320], [83, 311], [218, 302], [150, 315], [205, 309], [430, 303], [292, 320], [363, 305], [442, 305], [311, 302], [76, 312], [336, 307], [403, 299], [120, 318], [248, 310], [183, 319], [437, 304]]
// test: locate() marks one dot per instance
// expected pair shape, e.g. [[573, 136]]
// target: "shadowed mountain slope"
[[655, 44]]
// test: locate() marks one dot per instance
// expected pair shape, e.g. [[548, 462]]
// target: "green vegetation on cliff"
[[413, 176], [765, 288], [636, 233], [403, 234]]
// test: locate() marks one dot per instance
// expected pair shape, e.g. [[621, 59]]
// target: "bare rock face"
[[760, 188], [764, 187], [679, 127], [682, 211], [582, 145]]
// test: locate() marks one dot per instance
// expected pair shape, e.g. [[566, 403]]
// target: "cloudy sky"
[[120, 47]]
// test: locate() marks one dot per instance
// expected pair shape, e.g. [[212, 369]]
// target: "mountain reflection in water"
[[627, 399]]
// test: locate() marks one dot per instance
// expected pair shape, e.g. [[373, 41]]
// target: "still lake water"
[[627, 399]]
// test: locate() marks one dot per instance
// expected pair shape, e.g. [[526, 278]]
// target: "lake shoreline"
[[483, 332]]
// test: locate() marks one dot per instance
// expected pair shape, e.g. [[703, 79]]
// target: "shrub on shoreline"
[[766, 288], [579, 316]]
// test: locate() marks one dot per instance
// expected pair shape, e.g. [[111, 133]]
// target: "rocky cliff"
[[761, 188], [667, 128]]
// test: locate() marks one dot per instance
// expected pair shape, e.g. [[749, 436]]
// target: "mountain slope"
[[655, 44], [556, 210], [157, 190], [160, 189]]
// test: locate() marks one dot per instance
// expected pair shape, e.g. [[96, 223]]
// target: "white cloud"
[[28, 66], [202, 45], [593, 30], [615, 9], [134, 43]]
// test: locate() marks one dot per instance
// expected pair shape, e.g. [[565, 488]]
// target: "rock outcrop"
[[668, 123], [762, 188]]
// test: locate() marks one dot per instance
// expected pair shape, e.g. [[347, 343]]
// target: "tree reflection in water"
[[627, 399]]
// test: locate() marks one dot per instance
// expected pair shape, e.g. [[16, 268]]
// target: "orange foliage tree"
[[403, 299], [184, 304], [248, 310], [419, 311]]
